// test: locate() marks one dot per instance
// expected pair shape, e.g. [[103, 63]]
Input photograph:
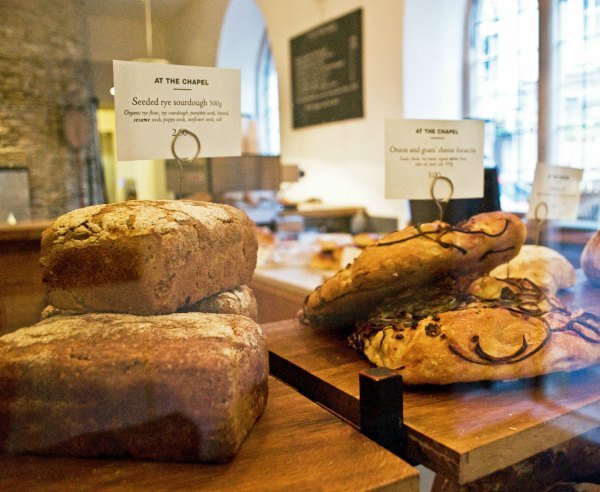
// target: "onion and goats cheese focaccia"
[[494, 330], [415, 256]]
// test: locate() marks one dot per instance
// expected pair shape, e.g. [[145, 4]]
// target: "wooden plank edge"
[[529, 442], [340, 403]]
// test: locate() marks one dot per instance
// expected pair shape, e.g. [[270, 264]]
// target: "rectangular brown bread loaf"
[[146, 257], [179, 387], [239, 300]]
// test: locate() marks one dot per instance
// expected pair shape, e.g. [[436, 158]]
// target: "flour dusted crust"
[[146, 257], [182, 387], [546, 267], [504, 330], [413, 257]]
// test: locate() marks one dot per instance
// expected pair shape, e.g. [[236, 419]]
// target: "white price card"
[[555, 192], [155, 102], [419, 151]]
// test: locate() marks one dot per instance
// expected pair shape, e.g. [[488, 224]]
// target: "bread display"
[[412, 257], [146, 257], [184, 387], [147, 348], [590, 259], [546, 267], [422, 302]]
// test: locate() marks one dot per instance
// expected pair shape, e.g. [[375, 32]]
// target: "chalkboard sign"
[[327, 72]]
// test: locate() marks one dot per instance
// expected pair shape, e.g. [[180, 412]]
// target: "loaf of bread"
[[590, 259], [146, 257], [178, 387], [413, 257], [240, 301], [545, 267]]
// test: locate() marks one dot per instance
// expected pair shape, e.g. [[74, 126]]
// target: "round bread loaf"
[[146, 257], [590, 259], [544, 266]]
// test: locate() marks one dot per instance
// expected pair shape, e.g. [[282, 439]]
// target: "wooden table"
[[464, 432], [296, 445]]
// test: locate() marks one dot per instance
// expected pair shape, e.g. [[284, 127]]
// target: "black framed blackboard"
[[326, 65]]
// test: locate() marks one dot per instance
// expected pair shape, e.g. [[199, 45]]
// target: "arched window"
[[511, 73], [503, 68], [244, 44], [267, 100]]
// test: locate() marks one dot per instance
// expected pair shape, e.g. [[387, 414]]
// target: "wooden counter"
[[21, 289], [295, 445], [464, 432]]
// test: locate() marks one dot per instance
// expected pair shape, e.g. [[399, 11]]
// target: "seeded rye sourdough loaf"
[[178, 387], [146, 257], [240, 300]]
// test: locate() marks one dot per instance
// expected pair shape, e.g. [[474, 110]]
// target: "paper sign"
[[555, 192], [153, 102], [419, 151]]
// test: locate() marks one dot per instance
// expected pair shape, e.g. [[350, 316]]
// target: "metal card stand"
[[440, 202], [181, 133], [381, 404], [540, 218]]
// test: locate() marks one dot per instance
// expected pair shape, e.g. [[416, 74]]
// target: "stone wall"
[[44, 72]]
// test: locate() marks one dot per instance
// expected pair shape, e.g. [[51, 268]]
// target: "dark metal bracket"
[[381, 403]]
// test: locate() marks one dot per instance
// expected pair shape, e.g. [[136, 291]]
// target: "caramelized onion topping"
[[522, 297]]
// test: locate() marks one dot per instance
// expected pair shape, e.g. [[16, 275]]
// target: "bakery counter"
[[280, 292], [21, 289], [295, 445]]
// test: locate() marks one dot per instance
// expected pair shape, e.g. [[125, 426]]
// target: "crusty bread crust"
[[182, 387], [412, 257], [146, 257], [240, 301], [590, 259]]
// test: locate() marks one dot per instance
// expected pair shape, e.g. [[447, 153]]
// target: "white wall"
[[193, 34], [432, 58], [343, 161], [239, 47]]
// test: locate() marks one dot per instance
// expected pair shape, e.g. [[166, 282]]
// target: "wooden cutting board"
[[463, 431]]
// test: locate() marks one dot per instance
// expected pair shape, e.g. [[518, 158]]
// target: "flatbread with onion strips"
[[410, 258], [494, 330]]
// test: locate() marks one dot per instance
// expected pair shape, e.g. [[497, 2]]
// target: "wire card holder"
[[540, 217], [182, 133], [440, 202]]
